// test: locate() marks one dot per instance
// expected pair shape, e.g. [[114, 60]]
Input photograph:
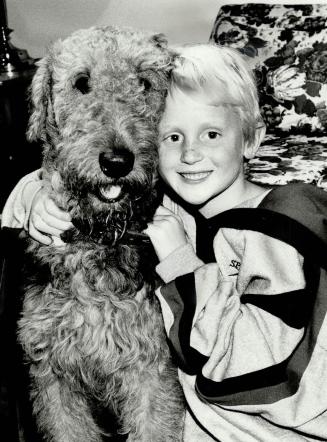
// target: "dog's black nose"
[[116, 163]]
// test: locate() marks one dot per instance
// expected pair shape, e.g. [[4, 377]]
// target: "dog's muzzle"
[[116, 163]]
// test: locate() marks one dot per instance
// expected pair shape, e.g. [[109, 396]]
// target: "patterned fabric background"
[[287, 48]]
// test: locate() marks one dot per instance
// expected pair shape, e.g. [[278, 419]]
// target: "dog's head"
[[97, 99]]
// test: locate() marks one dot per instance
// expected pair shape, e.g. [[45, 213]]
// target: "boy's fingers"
[[54, 210], [43, 239], [46, 240], [43, 227], [154, 228], [151, 228], [58, 242], [160, 217], [161, 210], [166, 218], [60, 224]]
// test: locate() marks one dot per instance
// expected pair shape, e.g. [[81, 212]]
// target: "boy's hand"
[[166, 232], [47, 220]]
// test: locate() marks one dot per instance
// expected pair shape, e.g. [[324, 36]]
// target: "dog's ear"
[[40, 97], [160, 40]]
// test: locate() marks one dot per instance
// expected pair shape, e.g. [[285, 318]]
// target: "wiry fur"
[[91, 326]]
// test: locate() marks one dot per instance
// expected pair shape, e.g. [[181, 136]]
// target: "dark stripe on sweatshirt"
[[181, 297], [293, 308], [268, 222]]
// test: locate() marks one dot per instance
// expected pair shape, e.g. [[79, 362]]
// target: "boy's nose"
[[191, 155]]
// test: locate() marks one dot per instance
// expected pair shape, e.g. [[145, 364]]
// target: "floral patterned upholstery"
[[287, 48]]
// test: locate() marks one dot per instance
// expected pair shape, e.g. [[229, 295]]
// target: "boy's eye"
[[212, 135], [173, 138]]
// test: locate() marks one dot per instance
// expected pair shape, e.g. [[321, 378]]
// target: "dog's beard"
[[112, 221], [103, 210]]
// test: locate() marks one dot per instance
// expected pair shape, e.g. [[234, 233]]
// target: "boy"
[[243, 267]]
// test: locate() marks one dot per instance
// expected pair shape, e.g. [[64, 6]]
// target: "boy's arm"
[[17, 209], [30, 207], [250, 339]]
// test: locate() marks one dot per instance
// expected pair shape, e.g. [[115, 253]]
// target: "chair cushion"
[[287, 48]]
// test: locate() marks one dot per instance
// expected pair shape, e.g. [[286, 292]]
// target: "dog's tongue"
[[111, 192]]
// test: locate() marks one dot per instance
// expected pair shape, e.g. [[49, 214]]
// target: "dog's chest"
[[91, 316], [87, 331]]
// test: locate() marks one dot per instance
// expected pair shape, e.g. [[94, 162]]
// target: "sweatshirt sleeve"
[[182, 260], [17, 209], [245, 327]]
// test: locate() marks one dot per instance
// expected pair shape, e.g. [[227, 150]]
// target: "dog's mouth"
[[111, 193]]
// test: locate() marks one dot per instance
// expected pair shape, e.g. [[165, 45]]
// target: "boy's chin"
[[195, 200], [184, 198]]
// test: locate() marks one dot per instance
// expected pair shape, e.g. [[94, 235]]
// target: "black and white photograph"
[[163, 208]]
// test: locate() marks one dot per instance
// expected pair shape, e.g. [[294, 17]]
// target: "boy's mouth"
[[195, 176]]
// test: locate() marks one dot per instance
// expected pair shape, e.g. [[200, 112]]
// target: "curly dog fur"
[[91, 327]]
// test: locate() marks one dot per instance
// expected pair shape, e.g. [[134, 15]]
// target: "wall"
[[38, 22]]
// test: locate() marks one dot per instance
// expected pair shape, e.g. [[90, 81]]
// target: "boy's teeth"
[[195, 176]]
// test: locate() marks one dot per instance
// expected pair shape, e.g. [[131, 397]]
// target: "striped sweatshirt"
[[244, 305]]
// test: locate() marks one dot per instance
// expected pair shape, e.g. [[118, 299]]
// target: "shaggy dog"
[[91, 327]]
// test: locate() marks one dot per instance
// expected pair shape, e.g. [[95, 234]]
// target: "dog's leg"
[[154, 409], [62, 415]]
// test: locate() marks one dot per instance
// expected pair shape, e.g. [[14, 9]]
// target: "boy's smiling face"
[[201, 150]]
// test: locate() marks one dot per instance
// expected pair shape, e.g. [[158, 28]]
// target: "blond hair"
[[208, 68]]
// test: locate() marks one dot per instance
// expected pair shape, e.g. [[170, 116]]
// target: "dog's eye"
[[146, 83], [82, 83]]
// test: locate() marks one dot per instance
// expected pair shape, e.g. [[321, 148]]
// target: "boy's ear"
[[250, 148]]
